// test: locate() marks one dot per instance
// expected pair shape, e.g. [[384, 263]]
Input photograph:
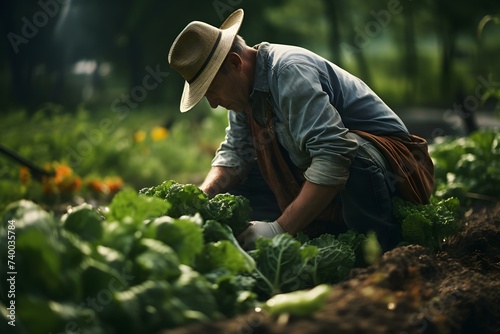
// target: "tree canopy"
[[410, 51]]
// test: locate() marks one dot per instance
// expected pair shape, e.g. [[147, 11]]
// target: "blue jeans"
[[366, 200]]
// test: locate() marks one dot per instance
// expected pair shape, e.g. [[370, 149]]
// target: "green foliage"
[[285, 264], [84, 221], [38, 239], [468, 167], [128, 205], [125, 218], [188, 199], [233, 293], [334, 260], [371, 248], [98, 143], [43, 316], [281, 264], [142, 308], [184, 235], [427, 225], [156, 271], [130, 271], [196, 293], [229, 209], [223, 254], [154, 260], [185, 199], [214, 231]]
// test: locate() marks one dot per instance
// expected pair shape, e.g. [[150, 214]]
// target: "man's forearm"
[[220, 180], [311, 201]]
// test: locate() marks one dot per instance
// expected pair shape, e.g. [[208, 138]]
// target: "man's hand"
[[256, 230]]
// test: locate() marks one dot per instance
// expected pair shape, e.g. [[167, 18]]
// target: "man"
[[331, 152]]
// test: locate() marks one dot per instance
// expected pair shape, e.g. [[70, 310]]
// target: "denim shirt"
[[314, 104]]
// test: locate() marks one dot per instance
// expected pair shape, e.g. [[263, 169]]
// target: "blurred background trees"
[[86, 83], [73, 51]]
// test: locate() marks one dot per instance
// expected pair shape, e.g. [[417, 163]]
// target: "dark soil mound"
[[410, 290]]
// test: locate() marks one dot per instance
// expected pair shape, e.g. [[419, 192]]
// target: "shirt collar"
[[261, 82], [261, 90]]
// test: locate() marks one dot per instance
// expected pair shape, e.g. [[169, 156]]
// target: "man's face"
[[229, 89]]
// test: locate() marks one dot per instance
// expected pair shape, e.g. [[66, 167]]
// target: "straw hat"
[[198, 53]]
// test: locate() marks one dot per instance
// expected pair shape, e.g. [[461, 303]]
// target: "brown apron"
[[412, 167]]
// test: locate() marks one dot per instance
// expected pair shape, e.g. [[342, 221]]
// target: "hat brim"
[[193, 92]]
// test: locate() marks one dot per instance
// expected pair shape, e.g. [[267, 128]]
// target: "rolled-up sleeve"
[[237, 149], [314, 125]]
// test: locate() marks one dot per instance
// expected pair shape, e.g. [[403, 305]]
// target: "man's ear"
[[234, 60]]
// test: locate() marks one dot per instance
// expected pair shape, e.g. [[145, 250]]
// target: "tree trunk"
[[448, 52], [333, 11], [410, 58]]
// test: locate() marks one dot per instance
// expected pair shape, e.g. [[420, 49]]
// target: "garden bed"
[[409, 290]]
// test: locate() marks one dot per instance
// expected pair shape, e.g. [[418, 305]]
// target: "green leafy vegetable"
[[214, 231], [96, 275], [468, 168], [38, 315], [195, 291], [333, 261], [138, 270], [234, 211], [188, 199], [84, 221], [143, 308], [429, 224], [155, 261], [184, 235], [233, 293], [282, 264], [222, 254], [128, 204], [40, 252], [185, 199]]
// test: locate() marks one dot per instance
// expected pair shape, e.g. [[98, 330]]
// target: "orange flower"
[[107, 185], [63, 181], [159, 133], [24, 175], [114, 184], [96, 185]]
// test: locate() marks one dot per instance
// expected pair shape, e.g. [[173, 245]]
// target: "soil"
[[409, 290]]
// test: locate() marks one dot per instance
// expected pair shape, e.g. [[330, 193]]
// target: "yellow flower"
[[159, 133], [139, 136]]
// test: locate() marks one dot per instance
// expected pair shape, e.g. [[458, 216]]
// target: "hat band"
[[207, 60]]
